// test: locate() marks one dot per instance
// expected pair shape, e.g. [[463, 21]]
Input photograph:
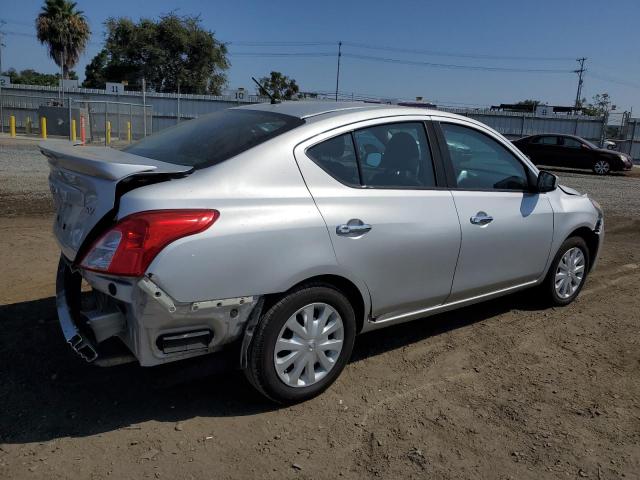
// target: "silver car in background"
[[285, 230]]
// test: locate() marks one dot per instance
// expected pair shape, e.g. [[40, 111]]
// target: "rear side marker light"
[[129, 247]]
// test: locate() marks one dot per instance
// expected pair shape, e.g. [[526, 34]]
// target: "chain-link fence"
[[24, 109], [91, 121], [116, 121], [103, 118]]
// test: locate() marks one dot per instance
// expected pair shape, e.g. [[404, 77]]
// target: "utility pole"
[[61, 91], [178, 102], [338, 72], [2, 22], [144, 107], [580, 72]]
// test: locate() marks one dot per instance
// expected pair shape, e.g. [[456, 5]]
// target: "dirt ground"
[[505, 389]]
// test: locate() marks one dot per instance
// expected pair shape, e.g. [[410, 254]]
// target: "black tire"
[[548, 286], [261, 371], [601, 167]]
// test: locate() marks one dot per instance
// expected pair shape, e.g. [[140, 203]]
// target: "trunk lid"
[[83, 182]]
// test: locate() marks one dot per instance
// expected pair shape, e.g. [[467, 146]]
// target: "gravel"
[[504, 389], [24, 188], [617, 192]]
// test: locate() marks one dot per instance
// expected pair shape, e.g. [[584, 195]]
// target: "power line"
[[16, 22], [397, 50], [400, 61], [356, 56], [251, 43], [362, 57], [33, 35], [282, 54], [618, 81], [452, 66], [279, 44], [453, 54], [19, 34]]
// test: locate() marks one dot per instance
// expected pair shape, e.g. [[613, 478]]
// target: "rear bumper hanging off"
[[154, 327], [67, 294]]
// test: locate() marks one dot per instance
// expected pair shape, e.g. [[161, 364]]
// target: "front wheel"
[[601, 167], [301, 344], [568, 272]]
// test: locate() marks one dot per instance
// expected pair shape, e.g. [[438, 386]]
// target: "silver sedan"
[[283, 231]]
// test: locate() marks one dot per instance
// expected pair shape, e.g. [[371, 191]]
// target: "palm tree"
[[64, 30]]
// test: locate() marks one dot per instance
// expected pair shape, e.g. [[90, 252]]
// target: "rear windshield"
[[214, 138]]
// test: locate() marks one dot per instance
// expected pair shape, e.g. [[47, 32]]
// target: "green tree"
[[529, 103], [279, 86], [94, 71], [31, 77], [64, 30], [601, 105], [174, 50]]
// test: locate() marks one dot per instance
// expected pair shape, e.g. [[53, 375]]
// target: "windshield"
[[214, 138]]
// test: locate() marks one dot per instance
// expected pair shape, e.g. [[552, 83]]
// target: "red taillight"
[[129, 247]]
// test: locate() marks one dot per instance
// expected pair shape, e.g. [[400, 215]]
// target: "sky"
[[533, 35]]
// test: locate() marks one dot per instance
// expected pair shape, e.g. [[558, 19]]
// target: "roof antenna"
[[273, 100]]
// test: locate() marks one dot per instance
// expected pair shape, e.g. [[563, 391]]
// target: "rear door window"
[[214, 138], [337, 157], [546, 140], [395, 155], [571, 143]]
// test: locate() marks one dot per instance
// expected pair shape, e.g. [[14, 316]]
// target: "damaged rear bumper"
[[147, 320], [65, 292]]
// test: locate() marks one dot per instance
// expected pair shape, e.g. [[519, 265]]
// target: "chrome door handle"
[[481, 218], [353, 227]]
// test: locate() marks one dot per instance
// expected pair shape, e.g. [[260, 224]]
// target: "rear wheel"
[[568, 272], [301, 344], [601, 167]]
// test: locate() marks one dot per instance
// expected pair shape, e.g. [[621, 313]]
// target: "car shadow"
[[47, 392]]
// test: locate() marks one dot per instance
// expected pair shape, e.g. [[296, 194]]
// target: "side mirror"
[[546, 182]]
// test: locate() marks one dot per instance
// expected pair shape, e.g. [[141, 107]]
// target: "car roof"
[[322, 112], [307, 109], [317, 108], [566, 135]]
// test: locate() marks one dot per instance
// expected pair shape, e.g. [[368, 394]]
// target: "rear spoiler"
[[105, 162]]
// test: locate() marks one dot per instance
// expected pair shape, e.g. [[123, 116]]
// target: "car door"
[[574, 153], [390, 218], [546, 150], [506, 229]]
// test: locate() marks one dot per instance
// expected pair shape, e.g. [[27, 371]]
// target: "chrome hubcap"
[[308, 345], [601, 167], [570, 272]]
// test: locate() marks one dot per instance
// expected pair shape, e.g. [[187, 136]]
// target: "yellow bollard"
[[12, 126], [73, 130], [43, 127], [27, 126], [129, 132], [108, 135]]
